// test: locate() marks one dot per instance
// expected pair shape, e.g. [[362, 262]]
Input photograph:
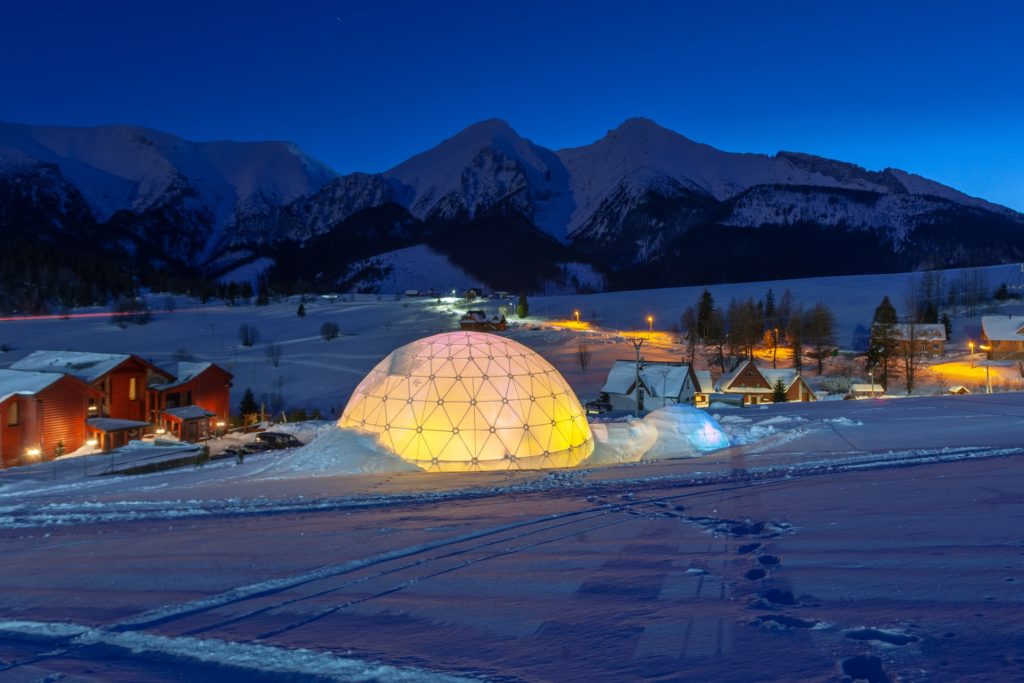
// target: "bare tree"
[[911, 348], [691, 333], [746, 326], [273, 352], [329, 331], [716, 336], [795, 334], [583, 355], [248, 335], [820, 332]]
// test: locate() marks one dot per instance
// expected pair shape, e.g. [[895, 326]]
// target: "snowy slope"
[[125, 167], [419, 267], [479, 167]]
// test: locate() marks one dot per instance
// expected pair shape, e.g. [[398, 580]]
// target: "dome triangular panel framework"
[[471, 401]]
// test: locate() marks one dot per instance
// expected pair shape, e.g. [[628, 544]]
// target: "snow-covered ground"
[[832, 539], [318, 374]]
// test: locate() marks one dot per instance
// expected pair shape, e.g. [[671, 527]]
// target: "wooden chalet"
[[196, 404], [757, 385], [1003, 335], [928, 339], [42, 415], [866, 390], [121, 378], [662, 383], [128, 397], [479, 321]]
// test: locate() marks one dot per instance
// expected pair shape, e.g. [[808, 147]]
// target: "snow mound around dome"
[[684, 431], [672, 432]]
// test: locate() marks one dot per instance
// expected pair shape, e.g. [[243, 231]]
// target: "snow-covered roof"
[[188, 413], [664, 379], [85, 366], [187, 371], [787, 375], [25, 383], [867, 388], [477, 316], [113, 424], [1003, 327], [728, 378], [621, 377], [658, 378], [926, 331], [706, 386]]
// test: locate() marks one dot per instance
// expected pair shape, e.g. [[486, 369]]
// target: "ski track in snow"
[[246, 656]]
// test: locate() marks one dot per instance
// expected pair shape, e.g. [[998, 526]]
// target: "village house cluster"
[[55, 402]]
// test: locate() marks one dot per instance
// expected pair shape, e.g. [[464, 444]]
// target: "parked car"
[[277, 440]]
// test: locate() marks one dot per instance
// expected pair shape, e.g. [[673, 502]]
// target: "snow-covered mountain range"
[[643, 202]]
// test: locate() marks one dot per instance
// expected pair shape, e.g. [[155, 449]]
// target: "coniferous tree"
[[779, 391], [301, 312], [248, 404], [705, 310], [262, 292], [523, 307], [884, 340]]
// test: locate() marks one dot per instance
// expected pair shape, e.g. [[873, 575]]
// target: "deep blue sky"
[[936, 88]]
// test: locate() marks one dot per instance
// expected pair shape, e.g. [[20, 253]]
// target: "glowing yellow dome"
[[471, 401]]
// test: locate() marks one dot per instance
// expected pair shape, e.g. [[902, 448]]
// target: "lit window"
[[131, 389], [12, 415]]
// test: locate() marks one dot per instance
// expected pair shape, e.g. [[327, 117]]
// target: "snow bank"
[[335, 451], [683, 431], [620, 442], [670, 432]]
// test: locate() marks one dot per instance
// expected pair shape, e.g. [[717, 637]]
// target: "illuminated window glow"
[[471, 401]]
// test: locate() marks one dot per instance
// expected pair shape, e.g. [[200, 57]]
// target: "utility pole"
[[637, 343]]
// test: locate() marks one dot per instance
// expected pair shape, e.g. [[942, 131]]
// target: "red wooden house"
[[123, 379], [41, 415], [191, 405], [757, 385], [109, 397]]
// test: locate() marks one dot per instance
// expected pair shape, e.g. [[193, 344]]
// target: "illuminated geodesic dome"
[[471, 401], [684, 431]]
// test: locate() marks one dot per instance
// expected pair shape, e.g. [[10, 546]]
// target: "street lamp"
[[988, 378], [871, 375], [971, 344], [650, 323], [637, 343], [577, 314]]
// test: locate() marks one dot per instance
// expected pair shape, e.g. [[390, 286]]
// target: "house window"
[[93, 408], [132, 393], [12, 415]]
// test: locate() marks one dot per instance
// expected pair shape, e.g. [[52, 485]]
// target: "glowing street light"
[[871, 375], [971, 344], [650, 323], [577, 314]]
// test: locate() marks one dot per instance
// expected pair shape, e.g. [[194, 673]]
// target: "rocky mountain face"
[[643, 205]]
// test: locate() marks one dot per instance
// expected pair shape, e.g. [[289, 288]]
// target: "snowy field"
[[830, 541], [316, 374], [860, 539]]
